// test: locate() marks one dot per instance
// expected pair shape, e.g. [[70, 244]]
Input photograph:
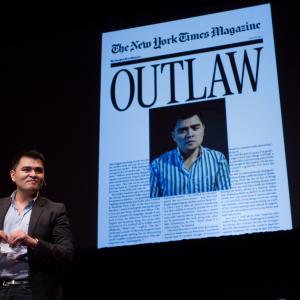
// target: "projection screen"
[[205, 86]]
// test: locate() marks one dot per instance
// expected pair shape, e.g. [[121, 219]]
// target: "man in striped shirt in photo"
[[190, 168]]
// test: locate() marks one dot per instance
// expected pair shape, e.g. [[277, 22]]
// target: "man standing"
[[35, 235], [190, 168]]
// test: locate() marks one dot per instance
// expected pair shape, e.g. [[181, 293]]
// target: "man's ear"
[[173, 136], [12, 175]]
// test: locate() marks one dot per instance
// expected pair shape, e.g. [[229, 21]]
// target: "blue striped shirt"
[[168, 177]]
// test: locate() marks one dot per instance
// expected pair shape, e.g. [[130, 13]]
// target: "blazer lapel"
[[4, 205], [37, 209]]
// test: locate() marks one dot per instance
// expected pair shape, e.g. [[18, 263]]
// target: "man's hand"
[[20, 238], [3, 236]]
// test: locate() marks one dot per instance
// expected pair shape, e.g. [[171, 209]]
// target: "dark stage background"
[[50, 79]]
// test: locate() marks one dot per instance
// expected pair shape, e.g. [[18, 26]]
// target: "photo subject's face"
[[188, 134]]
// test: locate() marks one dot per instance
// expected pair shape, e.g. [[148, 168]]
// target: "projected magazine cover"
[[191, 139]]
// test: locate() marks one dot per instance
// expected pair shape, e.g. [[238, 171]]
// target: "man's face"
[[188, 134], [28, 175]]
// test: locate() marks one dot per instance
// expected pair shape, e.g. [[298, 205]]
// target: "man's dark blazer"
[[50, 225]]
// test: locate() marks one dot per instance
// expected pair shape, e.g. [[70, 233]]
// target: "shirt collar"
[[12, 198], [179, 155]]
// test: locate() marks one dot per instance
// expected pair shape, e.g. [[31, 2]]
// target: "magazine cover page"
[[191, 139]]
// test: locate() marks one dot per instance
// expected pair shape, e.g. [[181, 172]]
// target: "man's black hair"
[[185, 113], [27, 153]]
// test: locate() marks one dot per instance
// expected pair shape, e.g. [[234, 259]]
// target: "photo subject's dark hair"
[[184, 114]]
